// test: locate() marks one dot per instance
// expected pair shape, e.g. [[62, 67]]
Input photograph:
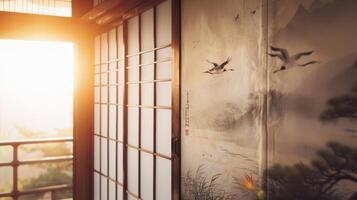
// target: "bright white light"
[[36, 86]]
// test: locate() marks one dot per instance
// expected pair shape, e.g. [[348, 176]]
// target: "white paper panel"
[[97, 50], [120, 163], [163, 93], [97, 69], [120, 43], [104, 68], [112, 94], [163, 179], [164, 54], [104, 158], [147, 58], [163, 70], [104, 188], [147, 72], [112, 44], [133, 94], [104, 45], [120, 95], [163, 23], [121, 74], [96, 94], [112, 159], [112, 121], [133, 171], [104, 125], [96, 153], [163, 132], [133, 126], [120, 192], [133, 74], [120, 123], [104, 77], [96, 186], [133, 35], [112, 74], [104, 94], [112, 190], [147, 176], [97, 79], [147, 94], [133, 61], [147, 128], [96, 118], [147, 30]]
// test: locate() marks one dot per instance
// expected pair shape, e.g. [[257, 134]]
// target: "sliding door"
[[136, 154]]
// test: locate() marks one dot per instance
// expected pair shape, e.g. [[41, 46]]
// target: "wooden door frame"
[[21, 26]]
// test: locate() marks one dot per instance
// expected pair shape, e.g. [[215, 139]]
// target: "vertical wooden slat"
[[100, 116], [125, 110], [154, 117], [139, 120], [176, 132], [116, 109], [108, 109], [83, 120], [15, 172]]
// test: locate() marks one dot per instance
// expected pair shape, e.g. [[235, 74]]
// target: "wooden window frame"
[[24, 26]]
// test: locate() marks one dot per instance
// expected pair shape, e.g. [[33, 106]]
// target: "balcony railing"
[[15, 163]]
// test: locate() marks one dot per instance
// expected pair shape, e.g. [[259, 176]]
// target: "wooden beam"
[[117, 11], [176, 100], [101, 9], [42, 27], [84, 118], [112, 14], [81, 7]]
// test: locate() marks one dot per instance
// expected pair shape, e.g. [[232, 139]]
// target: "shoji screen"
[[108, 113], [133, 108]]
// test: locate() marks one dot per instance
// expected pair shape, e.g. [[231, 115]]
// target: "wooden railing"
[[15, 163]]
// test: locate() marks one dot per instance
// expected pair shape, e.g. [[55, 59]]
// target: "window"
[[36, 119], [41, 7]]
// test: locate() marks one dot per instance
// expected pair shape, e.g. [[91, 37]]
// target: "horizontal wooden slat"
[[39, 190], [35, 141], [111, 139], [148, 51], [108, 177], [47, 160], [151, 81], [149, 64], [148, 151]]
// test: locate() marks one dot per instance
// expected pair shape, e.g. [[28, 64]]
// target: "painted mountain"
[[316, 120]]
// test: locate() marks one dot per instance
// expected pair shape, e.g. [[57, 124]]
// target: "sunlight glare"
[[36, 86]]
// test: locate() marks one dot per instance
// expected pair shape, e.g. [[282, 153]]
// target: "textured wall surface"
[[313, 107], [300, 141], [222, 113]]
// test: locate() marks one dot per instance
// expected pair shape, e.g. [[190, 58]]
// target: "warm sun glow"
[[36, 86]]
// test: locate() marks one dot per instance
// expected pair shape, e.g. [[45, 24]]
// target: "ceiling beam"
[[113, 15], [42, 27]]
